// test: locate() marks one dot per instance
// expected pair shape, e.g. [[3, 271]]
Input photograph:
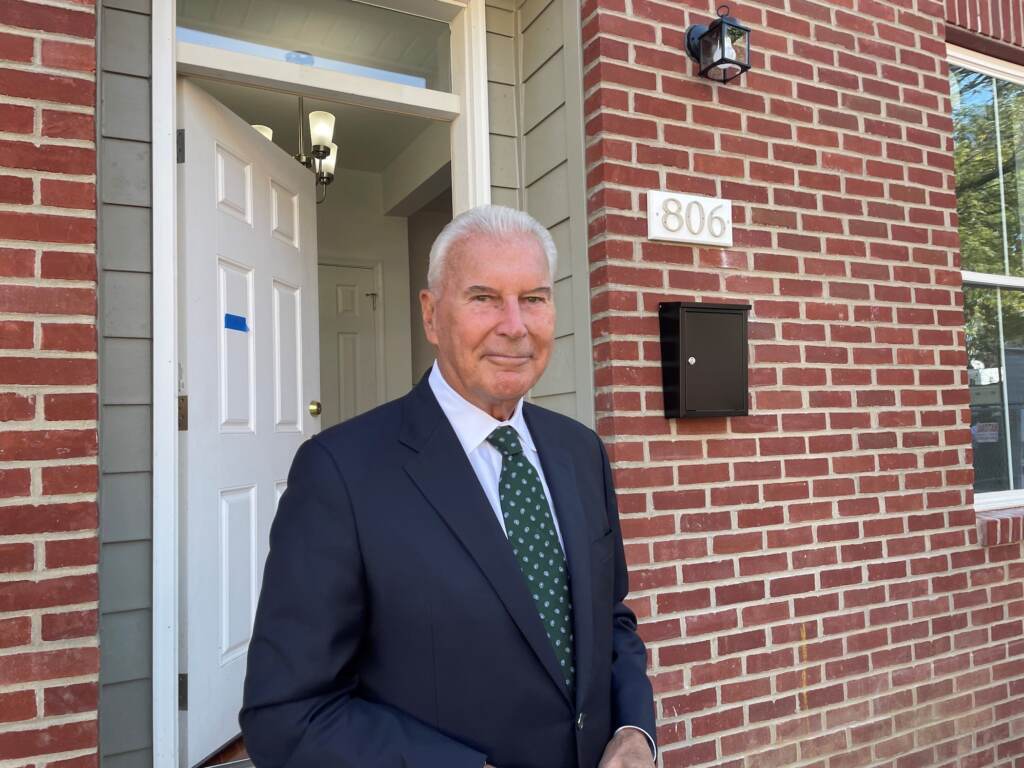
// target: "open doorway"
[[298, 311], [390, 196], [241, 243]]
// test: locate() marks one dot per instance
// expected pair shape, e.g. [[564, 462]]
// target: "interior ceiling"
[[367, 139], [339, 29]]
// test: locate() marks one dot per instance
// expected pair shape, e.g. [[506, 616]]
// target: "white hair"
[[495, 221]]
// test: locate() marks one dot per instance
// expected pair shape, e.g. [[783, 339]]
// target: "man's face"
[[493, 322]]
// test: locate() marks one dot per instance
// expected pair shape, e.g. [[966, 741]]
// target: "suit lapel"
[[442, 472], [561, 479]]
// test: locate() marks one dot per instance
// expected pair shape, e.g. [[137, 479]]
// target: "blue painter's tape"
[[235, 322]]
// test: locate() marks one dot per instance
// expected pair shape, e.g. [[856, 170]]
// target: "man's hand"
[[627, 749]]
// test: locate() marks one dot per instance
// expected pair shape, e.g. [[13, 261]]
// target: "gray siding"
[[536, 123], [503, 103], [126, 389]]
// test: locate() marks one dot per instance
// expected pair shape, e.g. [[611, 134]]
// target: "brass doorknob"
[[314, 407]]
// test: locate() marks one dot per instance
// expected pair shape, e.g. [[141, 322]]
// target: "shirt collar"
[[471, 424]]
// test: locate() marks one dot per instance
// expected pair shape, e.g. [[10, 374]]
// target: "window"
[[338, 35], [988, 134]]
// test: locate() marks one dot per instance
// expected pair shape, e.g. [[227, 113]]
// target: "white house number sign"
[[689, 218]]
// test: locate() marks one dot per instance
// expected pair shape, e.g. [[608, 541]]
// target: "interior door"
[[350, 305], [248, 287]]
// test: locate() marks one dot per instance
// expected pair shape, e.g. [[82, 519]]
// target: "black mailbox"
[[704, 358]]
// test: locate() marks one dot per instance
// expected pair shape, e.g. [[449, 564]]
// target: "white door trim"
[[470, 187], [194, 59], [165, 390], [471, 141]]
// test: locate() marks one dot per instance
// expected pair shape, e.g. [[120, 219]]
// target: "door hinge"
[[183, 692], [182, 413], [181, 145]]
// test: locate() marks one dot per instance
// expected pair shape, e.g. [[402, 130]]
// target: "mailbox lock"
[[691, 360]]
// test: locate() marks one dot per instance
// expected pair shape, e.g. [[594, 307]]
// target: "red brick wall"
[[1001, 20], [49, 656], [809, 577]]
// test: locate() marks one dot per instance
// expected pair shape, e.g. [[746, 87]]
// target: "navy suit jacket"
[[394, 628]]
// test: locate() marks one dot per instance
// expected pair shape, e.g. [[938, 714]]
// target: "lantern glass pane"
[[711, 48], [740, 42], [718, 54]]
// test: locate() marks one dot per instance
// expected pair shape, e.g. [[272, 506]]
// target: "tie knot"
[[505, 440]]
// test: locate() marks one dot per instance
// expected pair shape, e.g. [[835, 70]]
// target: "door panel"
[[248, 283], [350, 306]]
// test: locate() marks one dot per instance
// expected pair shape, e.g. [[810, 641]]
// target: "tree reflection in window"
[[976, 159], [988, 134]]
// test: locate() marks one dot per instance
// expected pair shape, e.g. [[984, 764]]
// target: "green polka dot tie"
[[531, 532]]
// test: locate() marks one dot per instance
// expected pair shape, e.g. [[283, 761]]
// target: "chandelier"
[[323, 152]]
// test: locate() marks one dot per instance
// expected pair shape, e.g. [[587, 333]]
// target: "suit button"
[[579, 721]]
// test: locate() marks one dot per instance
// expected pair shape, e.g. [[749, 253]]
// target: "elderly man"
[[446, 576]]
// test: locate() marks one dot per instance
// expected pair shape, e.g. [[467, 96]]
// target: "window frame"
[[1003, 70]]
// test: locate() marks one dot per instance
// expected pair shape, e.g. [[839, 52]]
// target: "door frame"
[[470, 162]]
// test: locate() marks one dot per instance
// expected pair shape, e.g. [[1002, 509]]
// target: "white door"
[[250, 368], [350, 305]]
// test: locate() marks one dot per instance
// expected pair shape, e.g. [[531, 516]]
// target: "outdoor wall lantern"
[[722, 48]]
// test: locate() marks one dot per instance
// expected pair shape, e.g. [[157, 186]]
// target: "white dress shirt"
[[472, 426]]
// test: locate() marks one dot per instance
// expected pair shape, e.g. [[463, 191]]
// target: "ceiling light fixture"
[[323, 154]]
